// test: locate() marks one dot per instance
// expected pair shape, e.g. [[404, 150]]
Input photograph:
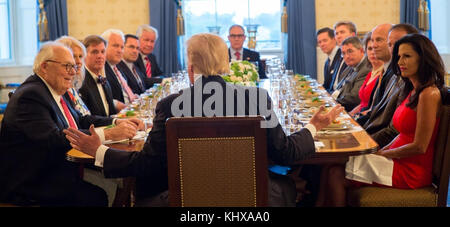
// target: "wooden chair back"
[[217, 162]]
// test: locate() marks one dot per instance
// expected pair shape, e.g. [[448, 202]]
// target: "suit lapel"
[[336, 61], [140, 63], [92, 85], [348, 71], [109, 98], [245, 55], [61, 121]]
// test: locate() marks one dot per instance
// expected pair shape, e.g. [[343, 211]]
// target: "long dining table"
[[333, 144]]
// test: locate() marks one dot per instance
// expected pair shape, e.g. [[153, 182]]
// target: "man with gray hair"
[[238, 53], [33, 165], [347, 92], [122, 93], [146, 61]]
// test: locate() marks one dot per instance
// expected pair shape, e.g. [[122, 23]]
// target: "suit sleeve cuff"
[[100, 155], [311, 129], [100, 133]]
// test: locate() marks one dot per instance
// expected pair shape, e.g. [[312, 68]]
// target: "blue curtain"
[[301, 48], [408, 12], [57, 18], [163, 17]]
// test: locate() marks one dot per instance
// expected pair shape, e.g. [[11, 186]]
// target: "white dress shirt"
[[100, 89]]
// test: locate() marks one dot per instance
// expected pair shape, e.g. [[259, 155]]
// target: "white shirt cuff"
[[311, 129], [100, 133], [100, 155]]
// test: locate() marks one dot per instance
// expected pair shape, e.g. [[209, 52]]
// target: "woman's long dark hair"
[[431, 69]]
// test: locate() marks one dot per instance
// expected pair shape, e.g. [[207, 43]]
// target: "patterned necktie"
[[148, 67], [124, 84], [67, 113], [138, 79], [238, 55], [101, 80]]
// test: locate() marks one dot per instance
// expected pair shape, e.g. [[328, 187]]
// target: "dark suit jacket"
[[91, 96], [115, 84], [150, 165], [382, 113], [379, 95], [131, 80], [253, 56], [331, 72], [349, 96], [156, 72], [33, 147]]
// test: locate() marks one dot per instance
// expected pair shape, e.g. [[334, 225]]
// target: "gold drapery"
[[284, 19], [424, 15], [180, 19], [43, 23]]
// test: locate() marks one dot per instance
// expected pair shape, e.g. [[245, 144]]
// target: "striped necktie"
[[124, 84], [148, 67], [138, 78]]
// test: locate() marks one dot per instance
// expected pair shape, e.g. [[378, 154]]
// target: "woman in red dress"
[[377, 70], [407, 161]]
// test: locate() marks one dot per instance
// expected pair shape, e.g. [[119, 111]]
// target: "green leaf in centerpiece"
[[226, 78], [110, 126], [254, 76], [130, 113], [242, 73], [315, 99]]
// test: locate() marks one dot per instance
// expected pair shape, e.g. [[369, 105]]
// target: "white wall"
[[321, 58]]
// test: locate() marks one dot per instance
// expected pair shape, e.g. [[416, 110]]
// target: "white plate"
[[139, 135]]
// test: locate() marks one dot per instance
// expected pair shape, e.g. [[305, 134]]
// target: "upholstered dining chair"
[[217, 162], [434, 195]]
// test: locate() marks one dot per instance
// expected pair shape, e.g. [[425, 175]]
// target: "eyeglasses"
[[240, 36], [68, 65], [349, 52]]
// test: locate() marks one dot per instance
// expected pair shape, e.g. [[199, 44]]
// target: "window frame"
[[11, 58], [19, 58], [267, 51]]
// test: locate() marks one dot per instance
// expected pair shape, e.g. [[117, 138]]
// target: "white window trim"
[[11, 37], [18, 60], [15, 70]]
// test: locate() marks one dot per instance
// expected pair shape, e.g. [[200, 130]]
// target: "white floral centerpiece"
[[242, 73]]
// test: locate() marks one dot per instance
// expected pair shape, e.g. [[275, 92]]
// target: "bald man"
[[379, 123]]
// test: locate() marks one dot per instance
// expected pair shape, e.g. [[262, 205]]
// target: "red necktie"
[[67, 113], [124, 84], [148, 67], [238, 55]]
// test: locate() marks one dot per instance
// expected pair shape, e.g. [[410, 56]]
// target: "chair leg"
[[125, 195]]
